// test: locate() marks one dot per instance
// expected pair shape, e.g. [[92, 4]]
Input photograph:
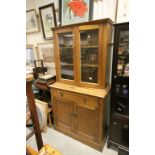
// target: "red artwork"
[[78, 7]]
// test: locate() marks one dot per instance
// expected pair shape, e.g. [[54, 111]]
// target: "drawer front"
[[119, 131], [82, 100]]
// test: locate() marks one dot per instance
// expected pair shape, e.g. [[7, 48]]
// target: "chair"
[[39, 68]]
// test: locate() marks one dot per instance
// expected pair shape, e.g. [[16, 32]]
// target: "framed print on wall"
[[46, 53], [48, 19], [31, 21], [75, 11], [30, 57]]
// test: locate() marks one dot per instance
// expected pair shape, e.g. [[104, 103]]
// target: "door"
[[87, 119], [65, 56], [119, 131], [63, 114], [120, 78], [89, 56]]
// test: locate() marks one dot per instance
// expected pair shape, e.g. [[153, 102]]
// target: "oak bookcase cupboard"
[[80, 95], [119, 116]]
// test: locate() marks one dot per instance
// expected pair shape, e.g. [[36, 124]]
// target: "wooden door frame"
[[89, 27], [57, 56]]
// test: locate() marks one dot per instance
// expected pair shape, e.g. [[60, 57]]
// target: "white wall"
[[101, 9], [37, 37]]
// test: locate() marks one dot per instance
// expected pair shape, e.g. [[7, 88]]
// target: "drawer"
[[79, 99]]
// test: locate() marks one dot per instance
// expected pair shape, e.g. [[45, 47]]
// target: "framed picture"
[[46, 53], [31, 21], [48, 19], [30, 57], [75, 11]]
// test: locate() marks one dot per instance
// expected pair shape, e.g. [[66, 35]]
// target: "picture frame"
[[30, 56], [71, 11], [46, 53], [31, 21], [48, 20]]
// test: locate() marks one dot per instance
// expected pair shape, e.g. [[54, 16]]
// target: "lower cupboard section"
[[81, 117]]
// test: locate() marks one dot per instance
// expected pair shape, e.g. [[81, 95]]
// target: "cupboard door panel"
[[86, 122], [63, 113], [119, 131]]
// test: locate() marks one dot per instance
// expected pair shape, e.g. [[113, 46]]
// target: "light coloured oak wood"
[[79, 107], [82, 90]]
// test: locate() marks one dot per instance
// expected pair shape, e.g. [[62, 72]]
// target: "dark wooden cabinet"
[[119, 115], [123, 151]]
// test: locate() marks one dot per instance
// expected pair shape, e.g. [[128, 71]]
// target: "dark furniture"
[[33, 112], [119, 115], [39, 68], [123, 151], [44, 89]]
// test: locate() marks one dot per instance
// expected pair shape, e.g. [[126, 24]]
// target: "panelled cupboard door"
[[87, 121], [89, 55], [65, 55], [63, 114]]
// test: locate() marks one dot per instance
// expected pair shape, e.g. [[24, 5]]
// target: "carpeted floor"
[[67, 145]]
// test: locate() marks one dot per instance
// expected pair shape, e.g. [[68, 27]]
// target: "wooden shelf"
[[89, 65], [65, 47], [121, 115], [66, 64], [123, 97], [123, 77], [123, 54], [96, 46]]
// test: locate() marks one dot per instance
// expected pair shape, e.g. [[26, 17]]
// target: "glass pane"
[[89, 55], [123, 54], [122, 82], [66, 55], [89, 74]]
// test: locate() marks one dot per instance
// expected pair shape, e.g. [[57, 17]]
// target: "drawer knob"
[[60, 93]]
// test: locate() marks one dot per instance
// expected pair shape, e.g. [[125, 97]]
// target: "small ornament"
[[126, 70]]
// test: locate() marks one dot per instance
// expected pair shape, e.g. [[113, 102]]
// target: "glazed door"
[[63, 114], [120, 83], [65, 57], [87, 120], [89, 56]]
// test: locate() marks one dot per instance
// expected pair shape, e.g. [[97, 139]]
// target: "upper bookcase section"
[[82, 53]]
